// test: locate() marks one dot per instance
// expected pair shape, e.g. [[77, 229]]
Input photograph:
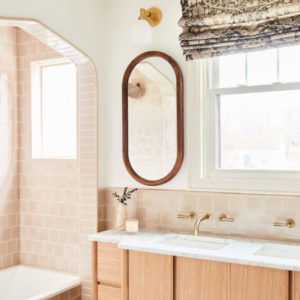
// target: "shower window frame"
[[36, 78]]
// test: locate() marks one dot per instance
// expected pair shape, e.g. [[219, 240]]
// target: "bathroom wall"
[[157, 207], [103, 29], [121, 18], [9, 133], [254, 214], [49, 189], [47, 207], [58, 197]]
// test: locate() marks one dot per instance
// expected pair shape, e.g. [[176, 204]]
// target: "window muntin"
[[256, 68], [54, 109]]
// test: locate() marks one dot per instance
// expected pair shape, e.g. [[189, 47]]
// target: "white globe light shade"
[[142, 33]]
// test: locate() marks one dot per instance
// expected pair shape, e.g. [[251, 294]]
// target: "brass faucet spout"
[[198, 222]]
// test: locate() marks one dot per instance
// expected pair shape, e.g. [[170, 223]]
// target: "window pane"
[[59, 111], [232, 70], [259, 131], [262, 67], [289, 64]]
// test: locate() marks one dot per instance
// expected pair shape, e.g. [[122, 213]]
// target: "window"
[[248, 107], [54, 109]]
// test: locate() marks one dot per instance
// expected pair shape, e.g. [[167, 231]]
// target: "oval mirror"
[[153, 118]]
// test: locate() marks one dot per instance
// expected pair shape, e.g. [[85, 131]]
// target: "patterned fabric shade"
[[218, 27]]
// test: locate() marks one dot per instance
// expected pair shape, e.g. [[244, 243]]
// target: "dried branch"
[[125, 196]]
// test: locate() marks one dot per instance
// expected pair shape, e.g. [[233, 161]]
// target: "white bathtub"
[[30, 283]]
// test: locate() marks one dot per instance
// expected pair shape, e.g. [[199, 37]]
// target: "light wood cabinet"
[[109, 265], [109, 293], [197, 279], [132, 275], [110, 272], [150, 276], [253, 283], [295, 285]]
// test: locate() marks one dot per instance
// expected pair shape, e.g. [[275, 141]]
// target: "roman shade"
[[219, 27]]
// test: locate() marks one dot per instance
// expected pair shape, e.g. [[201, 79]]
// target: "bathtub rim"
[[54, 292]]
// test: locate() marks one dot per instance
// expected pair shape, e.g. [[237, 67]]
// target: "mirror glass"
[[152, 107]]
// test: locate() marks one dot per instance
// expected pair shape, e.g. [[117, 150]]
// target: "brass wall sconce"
[[152, 15]]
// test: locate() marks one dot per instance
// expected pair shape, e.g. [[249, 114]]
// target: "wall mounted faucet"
[[290, 223], [198, 222], [224, 218], [191, 215]]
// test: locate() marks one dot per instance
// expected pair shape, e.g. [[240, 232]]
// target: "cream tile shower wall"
[[9, 132], [87, 150], [49, 189], [254, 214]]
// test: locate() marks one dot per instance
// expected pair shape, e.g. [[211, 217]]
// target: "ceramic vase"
[[121, 216]]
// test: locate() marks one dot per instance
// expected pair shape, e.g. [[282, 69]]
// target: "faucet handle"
[[191, 215], [224, 218], [290, 223]]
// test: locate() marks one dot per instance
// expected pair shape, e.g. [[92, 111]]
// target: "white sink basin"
[[280, 251], [187, 241]]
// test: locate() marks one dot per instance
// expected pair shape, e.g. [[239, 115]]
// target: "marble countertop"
[[263, 253]]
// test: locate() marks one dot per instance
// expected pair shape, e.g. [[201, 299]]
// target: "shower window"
[[54, 109]]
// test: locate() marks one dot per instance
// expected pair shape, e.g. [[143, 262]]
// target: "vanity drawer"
[[109, 293], [109, 265]]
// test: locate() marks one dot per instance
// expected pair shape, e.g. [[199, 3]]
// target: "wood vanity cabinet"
[[250, 283], [131, 275], [197, 279]]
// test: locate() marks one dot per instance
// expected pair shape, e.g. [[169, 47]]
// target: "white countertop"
[[285, 256]]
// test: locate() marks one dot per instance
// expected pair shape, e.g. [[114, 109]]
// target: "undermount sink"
[[194, 242], [280, 251]]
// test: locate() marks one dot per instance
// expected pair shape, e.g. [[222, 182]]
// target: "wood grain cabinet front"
[[295, 285], [132, 275], [109, 293], [109, 265], [110, 278], [197, 279], [150, 276], [254, 283]]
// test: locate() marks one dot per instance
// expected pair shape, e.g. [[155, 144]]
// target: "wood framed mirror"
[[152, 102]]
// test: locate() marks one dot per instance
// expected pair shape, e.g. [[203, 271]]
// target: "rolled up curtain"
[[218, 27]]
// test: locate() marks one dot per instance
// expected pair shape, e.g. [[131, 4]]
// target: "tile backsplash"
[[254, 214]]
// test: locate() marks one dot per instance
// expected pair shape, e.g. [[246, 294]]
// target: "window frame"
[[36, 78], [202, 140]]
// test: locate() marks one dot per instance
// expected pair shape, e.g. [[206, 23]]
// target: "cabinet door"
[[253, 283], [295, 285], [150, 276], [109, 264], [201, 280], [112, 273]]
